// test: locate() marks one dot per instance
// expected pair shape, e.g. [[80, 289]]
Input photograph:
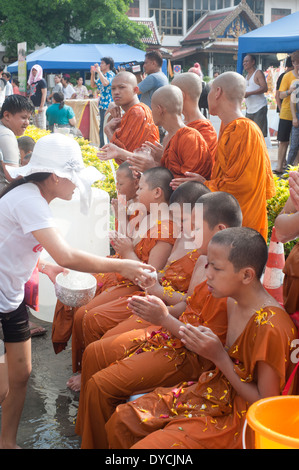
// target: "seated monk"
[[126, 185], [136, 126], [242, 165], [156, 357], [151, 241], [255, 363], [191, 87]]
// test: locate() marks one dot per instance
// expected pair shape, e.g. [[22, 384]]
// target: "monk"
[[185, 149], [242, 165], [255, 363], [286, 229], [126, 185], [157, 357], [191, 86], [151, 241], [136, 126]]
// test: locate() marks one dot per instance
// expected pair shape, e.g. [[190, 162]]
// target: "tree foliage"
[[54, 22]]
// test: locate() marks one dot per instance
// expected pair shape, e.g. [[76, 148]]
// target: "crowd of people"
[[206, 339]]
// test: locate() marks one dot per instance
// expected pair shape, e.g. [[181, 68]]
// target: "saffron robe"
[[187, 150], [136, 127], [208, 413], [242, 168], [102, 316], [150, 359], [206, 129]]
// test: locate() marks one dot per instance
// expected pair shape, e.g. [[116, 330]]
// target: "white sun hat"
[[60, 154]]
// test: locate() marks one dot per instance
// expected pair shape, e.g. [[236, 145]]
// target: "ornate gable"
[[228, 23]]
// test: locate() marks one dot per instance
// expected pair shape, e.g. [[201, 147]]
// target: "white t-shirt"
[[68, 91], [22, 210], [9, 149]]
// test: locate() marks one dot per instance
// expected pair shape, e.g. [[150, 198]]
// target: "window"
[[277, 13], [168, 14], [257, 6]]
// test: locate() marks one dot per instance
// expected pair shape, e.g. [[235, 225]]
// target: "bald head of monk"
[[124, 90], [227, 91], [166, 101], [190, 84]]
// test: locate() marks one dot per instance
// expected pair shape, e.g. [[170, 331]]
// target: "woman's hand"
[[51, 270]]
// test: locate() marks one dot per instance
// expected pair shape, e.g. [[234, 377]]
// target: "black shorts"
[[15, 325], [284, 130]]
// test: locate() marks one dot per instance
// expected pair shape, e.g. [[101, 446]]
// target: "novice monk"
[[157, 357], [191, 87], [254, 364], [126, 186], [136, 125], [286, 229], [152, 241], [242, 166]]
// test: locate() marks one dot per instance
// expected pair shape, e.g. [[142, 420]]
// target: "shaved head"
[[170, 98], [189, 83], [233, 85], [126, 77]]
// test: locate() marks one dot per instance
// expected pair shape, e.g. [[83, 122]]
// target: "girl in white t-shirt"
[[26, 227]]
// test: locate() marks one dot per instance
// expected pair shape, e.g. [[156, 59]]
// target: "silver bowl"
[[75, 289]]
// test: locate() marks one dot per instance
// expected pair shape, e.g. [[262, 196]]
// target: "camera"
[[134, 66]]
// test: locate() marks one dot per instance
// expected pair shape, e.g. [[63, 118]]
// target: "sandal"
[[36, 330]]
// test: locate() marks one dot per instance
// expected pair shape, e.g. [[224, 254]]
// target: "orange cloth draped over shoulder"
[[208, 413], [187, 150], [206, 129], [136, 127], [242, 168], [64, 315]]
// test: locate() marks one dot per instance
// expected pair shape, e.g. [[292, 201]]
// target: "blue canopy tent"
[[79, 57], [31, 60], [280, 36]]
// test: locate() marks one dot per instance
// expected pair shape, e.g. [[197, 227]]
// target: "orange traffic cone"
[[273, 276]]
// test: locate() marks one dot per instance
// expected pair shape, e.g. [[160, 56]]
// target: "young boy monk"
[[190, 85], [254, 364], [242, 165], [157, 357], [152, 241], [136, 126], [174, 281], [127, 186]]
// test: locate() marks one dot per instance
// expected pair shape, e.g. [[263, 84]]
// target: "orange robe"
[[91, 321], [206, 129], [137, 126], [151, 359], [207, 414], [242, 168], [187, 150]]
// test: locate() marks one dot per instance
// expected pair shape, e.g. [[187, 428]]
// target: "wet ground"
[[48, 419]]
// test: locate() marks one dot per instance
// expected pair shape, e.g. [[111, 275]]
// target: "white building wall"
[[293, 5]]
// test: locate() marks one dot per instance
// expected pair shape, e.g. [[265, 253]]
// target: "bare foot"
[[74, 383]]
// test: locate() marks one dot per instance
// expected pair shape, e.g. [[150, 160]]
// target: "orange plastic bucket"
[[275, 421]]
